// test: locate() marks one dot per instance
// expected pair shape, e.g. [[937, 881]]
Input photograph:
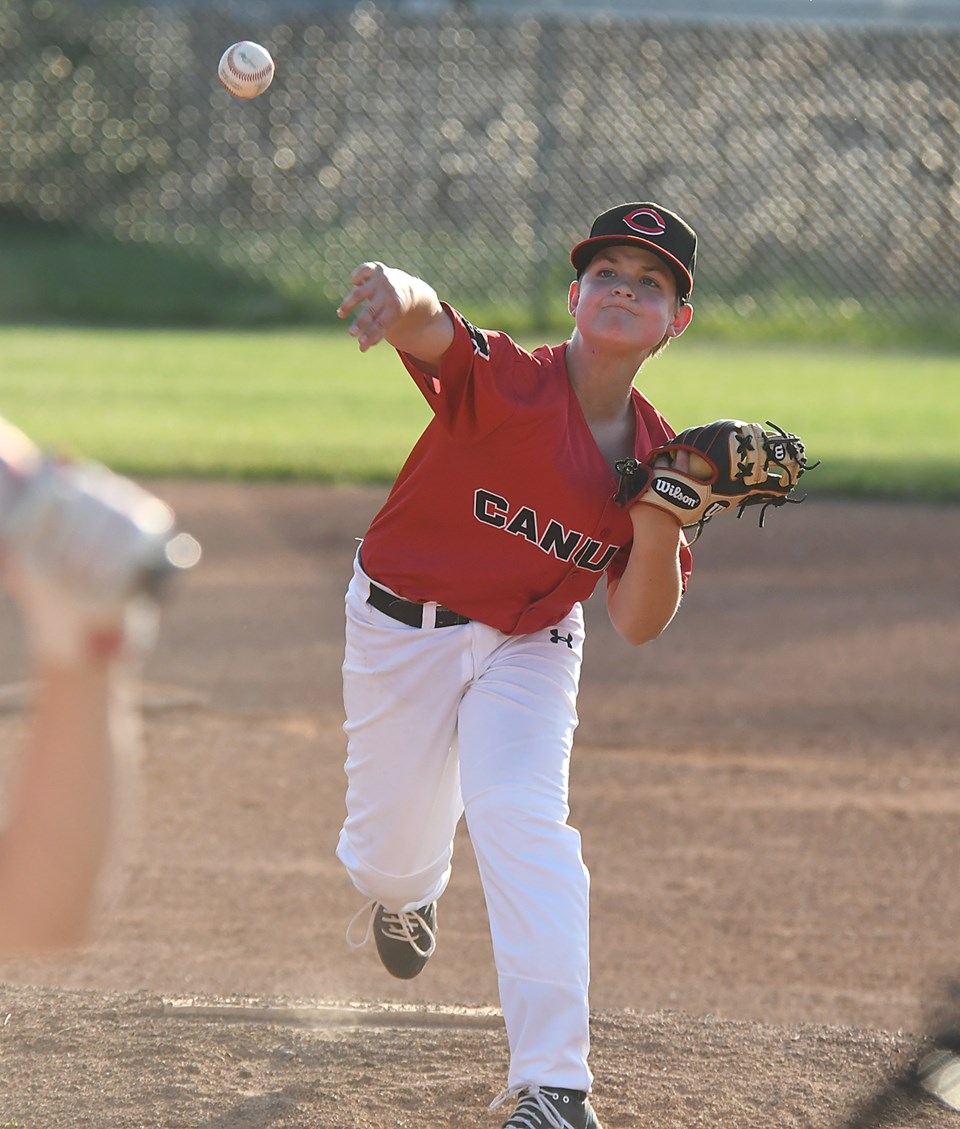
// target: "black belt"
[[406, 611]]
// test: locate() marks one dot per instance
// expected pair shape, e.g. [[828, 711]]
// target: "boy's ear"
[[681, 321], [573, 297]]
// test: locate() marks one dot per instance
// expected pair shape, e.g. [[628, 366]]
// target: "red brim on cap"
[[581, 255]]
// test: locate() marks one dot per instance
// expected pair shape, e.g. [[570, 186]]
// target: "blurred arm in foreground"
[[85, 554]]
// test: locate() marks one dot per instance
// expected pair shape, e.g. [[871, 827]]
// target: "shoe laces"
[[533, 1110], [403, 925], [408, 925], [370, 909]]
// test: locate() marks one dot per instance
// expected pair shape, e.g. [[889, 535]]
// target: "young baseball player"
[[74, 542], [465, 629]]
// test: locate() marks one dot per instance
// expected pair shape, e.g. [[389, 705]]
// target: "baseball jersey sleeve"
[[478, 385]]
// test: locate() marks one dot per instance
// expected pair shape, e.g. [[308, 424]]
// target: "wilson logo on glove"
[[677, 493]]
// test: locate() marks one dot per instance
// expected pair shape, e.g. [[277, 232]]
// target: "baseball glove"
[[732, 465], [86, 551]]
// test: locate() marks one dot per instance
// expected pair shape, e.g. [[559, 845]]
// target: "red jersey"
[[504, 509]]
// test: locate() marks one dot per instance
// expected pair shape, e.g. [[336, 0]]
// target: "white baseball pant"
[[464, 719]]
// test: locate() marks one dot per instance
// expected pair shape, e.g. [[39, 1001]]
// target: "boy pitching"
[[465, 629]]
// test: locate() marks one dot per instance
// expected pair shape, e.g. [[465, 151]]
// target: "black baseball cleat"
[[548, 1107], [405, 940]]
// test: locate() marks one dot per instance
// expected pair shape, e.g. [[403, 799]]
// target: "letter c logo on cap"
[[645, 221]]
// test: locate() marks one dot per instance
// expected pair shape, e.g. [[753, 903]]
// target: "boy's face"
[[627, 296]]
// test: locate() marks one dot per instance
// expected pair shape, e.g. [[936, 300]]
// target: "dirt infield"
[[769, 798]]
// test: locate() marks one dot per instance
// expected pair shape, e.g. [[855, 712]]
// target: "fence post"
[[544, 195]]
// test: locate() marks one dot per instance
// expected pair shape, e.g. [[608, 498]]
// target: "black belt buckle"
[[447, 618], [408, 612]]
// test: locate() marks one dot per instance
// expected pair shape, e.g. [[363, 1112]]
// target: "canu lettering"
[[548, 534]]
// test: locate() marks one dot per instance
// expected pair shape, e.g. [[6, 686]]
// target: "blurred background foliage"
[[818, 163]]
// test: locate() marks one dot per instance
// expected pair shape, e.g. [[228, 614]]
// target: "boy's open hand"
[[398, 308], [383, 295]]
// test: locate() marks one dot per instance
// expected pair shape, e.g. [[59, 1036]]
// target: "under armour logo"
[[556, 637]]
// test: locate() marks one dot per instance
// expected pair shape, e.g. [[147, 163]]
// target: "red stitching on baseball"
[[255, 77]]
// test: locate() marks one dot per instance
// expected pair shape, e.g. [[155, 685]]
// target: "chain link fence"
[[819, 166]]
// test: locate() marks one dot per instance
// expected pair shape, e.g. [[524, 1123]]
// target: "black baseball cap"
[[650, 225]]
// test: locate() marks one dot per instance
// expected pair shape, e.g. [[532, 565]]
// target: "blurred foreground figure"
[[85, 554]]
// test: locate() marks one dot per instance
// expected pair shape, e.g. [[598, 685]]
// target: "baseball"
[[246, 69]]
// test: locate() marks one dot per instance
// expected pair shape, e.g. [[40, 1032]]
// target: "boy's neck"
[[602, 381]]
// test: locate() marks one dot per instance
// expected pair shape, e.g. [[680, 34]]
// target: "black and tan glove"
[[729, 464]]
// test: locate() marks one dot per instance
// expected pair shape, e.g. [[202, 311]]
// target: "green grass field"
[[306, 404]]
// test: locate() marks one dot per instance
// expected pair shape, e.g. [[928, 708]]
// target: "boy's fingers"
[[371, 289], [365, 272], [371, 334], [350, 302], [363, 280], [676, 460]]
